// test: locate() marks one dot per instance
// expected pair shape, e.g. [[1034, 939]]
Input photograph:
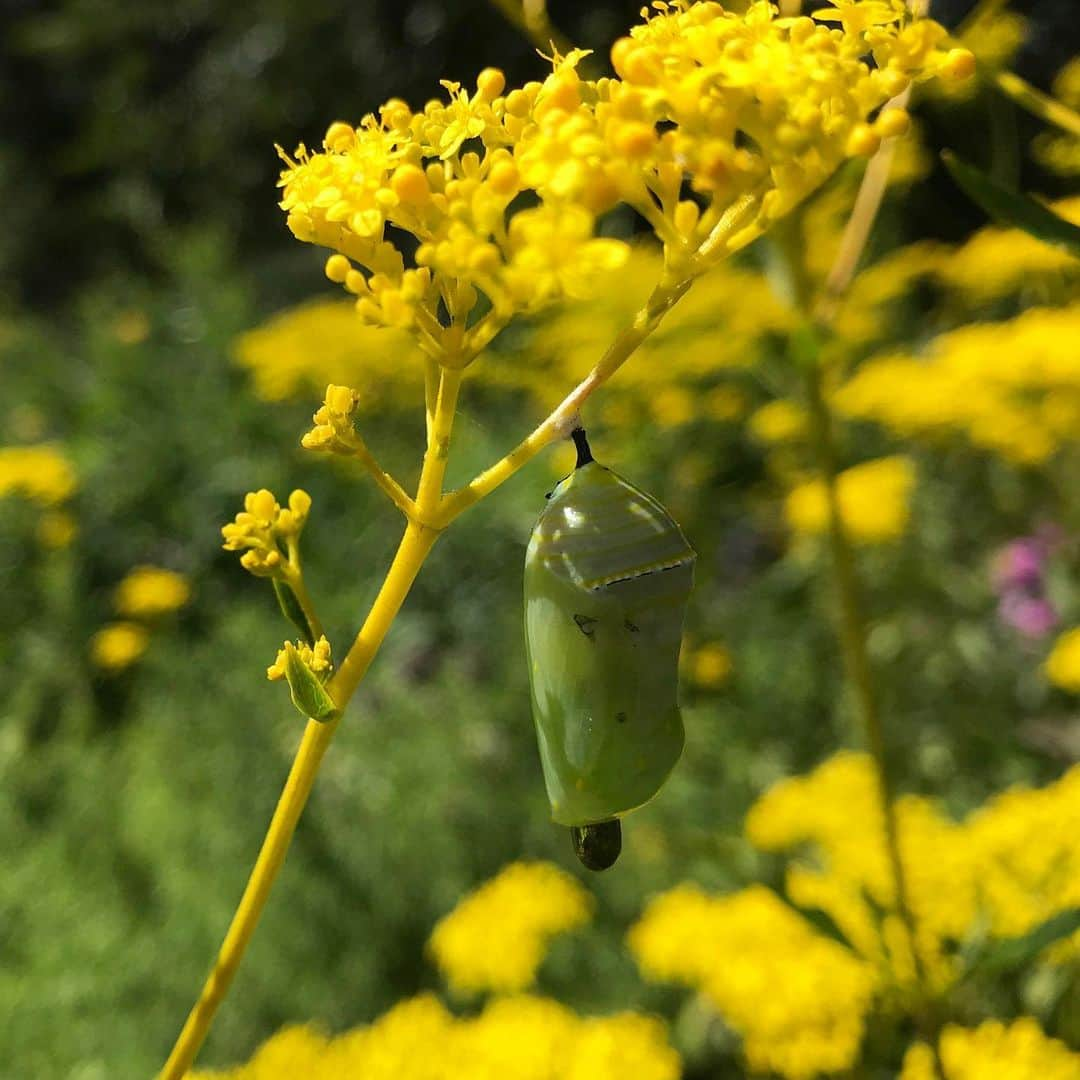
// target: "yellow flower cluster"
[[996, 261], [45, 476], [1007, 868], [1058, 151], [797, 998], [267, 533], [316, 658], [874, 501], [148, 591], [513, 1038], [751, 110], [1062, 666], [496, 938], [1012, 388], [42, 474], [718, 325], [321, 342], [1016, 1051]]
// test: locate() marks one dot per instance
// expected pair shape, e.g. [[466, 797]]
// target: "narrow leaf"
[[1012, 953], [291, 609], [1013, 208]]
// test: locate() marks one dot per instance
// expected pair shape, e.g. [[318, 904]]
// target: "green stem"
[[851, 625]]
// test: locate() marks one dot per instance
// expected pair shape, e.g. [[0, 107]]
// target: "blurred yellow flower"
[[118, 645], [301, 350], [40, 473], [1062, 666], [996, 261], [497, 936], [778, 421], [57, 529], [515, 1038], [131, 327], [874, 501], [797, 998], [1017, 1050], [709, 665], [1012, 388], [148, 591]]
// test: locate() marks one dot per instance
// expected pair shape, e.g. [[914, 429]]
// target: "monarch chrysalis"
[[607, 577]]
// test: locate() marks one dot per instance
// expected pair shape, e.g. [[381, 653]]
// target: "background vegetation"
[[141, 241]]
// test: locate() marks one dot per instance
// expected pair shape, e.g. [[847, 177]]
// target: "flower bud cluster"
[[315, 658], [267, 533]]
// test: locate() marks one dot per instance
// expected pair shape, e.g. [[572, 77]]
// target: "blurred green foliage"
[[132, 807]]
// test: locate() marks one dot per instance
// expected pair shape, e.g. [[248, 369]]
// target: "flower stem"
[[414, 547], [851, 626]]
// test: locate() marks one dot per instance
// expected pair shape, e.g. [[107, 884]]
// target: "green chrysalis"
[[607, 576]]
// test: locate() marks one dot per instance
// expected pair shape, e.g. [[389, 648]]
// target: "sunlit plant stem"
[[427, 515]]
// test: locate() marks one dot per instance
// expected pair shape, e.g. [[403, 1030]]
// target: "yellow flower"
[[1012, 388], [316, 658], [1015, 1051], [497, 936], [798, 999], [148, 591], [1062, 666], [266, 532], [513, 1038], [996, 260], [874, 501], [57, 529], [131, 327], [39, 473], [748, 109], [709, 665], [306, 347], [777, 422], [118, 645]]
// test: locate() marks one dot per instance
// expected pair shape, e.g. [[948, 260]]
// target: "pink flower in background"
[[1018, 572]]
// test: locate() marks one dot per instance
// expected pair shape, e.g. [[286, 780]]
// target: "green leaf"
[[1012, 953], [291, 609], [308, 694], [1013, 208]]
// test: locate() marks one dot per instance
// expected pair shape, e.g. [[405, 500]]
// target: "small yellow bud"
[[318, 438], [356, 283], [490, 83], [396, 114], [686, 217], [891, 123], [410, 184], [503, 178], [518, 103], [619, 52], [863, 141], [300, 504], [641, 66], [337, 268], [261, 505], [959, 64], [341, 399], [894, 81], [561, 93], [339, 137], [635, 140]]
